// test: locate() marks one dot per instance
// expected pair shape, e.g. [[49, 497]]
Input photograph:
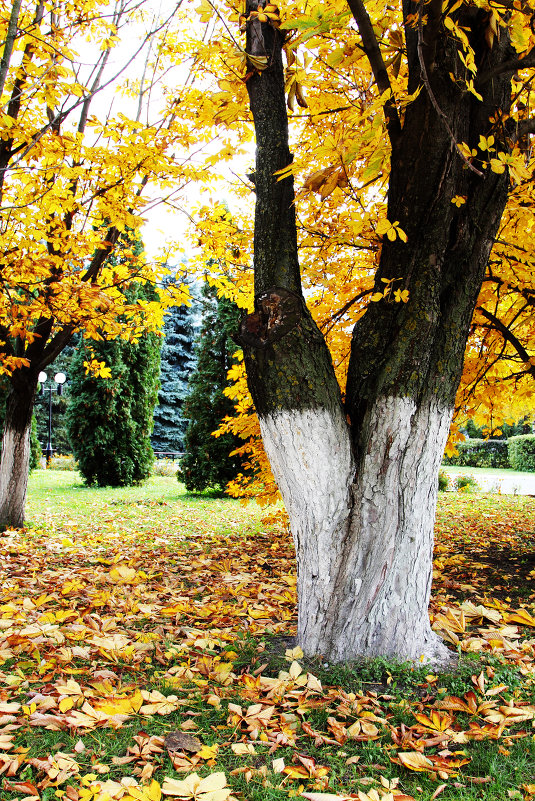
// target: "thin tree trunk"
[[15, 460]]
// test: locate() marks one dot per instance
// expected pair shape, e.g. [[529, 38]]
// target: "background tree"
[[177, 364], [71, 183], [207, 461], [417, 140], [109, 418]]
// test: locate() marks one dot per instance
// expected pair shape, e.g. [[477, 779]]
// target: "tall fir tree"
[[207, 462], [177, 364]]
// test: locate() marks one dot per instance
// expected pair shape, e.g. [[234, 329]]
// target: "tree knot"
[[277, 311]]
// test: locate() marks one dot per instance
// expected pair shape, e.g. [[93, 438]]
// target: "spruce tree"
[[109, 420], [207, 462], [177, 364]]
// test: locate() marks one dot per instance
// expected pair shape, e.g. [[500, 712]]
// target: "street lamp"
[[59, 379]]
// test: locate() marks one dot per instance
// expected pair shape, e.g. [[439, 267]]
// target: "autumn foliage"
[[341, 153]]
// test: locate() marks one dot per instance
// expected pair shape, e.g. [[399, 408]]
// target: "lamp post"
[[59, 379]]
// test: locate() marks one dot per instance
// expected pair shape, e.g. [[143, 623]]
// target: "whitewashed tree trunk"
[[364, 544], [363, 530], [14, 464]]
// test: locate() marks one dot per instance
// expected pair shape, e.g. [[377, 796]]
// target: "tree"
[[207, 461], [358, 469], [70, 184], [35, 447], [177, 364], [110, 417]]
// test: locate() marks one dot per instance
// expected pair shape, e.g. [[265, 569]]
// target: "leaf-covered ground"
[[146, 653]]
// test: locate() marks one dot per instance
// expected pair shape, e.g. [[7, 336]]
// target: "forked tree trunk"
[[360, 484], [15, 460]]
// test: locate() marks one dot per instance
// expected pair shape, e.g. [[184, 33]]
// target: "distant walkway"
[[508, 482]]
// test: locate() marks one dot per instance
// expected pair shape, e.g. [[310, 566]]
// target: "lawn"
[[146, 652]]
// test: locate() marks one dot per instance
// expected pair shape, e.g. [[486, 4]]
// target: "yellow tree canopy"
[[340, 92], [88, 136]]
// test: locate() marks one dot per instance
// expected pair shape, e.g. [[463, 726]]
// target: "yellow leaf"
[[414, 760]]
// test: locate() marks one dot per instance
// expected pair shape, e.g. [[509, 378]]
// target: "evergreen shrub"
[[207, 462], [110, 420], [480, 453], [522, 453], [35, 446]]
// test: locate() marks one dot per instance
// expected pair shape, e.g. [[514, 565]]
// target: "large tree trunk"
[[361, 497], [15, 460]]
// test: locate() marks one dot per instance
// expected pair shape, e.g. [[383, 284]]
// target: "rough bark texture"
[[14, 464], [361, 501]]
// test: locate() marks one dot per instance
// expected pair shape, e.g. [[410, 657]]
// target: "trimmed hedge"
[[481, 453], [522, 453]]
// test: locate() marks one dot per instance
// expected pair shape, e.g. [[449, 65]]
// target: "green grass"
[[60, 498]]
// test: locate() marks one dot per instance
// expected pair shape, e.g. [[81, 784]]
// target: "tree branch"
[[371, 48], [509, 337], [525, 127], [9, 42], [508, 66], [101, 254]]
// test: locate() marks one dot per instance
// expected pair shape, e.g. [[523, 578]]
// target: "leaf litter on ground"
[[125, 672]]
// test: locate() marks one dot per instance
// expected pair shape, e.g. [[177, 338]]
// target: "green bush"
[[522, 453], [466, 484], [480, 453], [443, 481]]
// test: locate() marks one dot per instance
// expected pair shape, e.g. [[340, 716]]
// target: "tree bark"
[[361, 498], [15, 460]]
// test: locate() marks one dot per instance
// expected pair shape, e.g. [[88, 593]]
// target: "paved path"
[[523, 484]]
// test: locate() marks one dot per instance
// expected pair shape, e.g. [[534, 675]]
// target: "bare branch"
[[373, 52], [101, 254]]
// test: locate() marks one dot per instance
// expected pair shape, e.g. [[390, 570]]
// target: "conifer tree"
[[207, 462], [177, 364], [110, 418]]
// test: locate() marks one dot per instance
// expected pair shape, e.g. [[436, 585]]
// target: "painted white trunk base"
[[14, 467], [364, 545], [310, 455]]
